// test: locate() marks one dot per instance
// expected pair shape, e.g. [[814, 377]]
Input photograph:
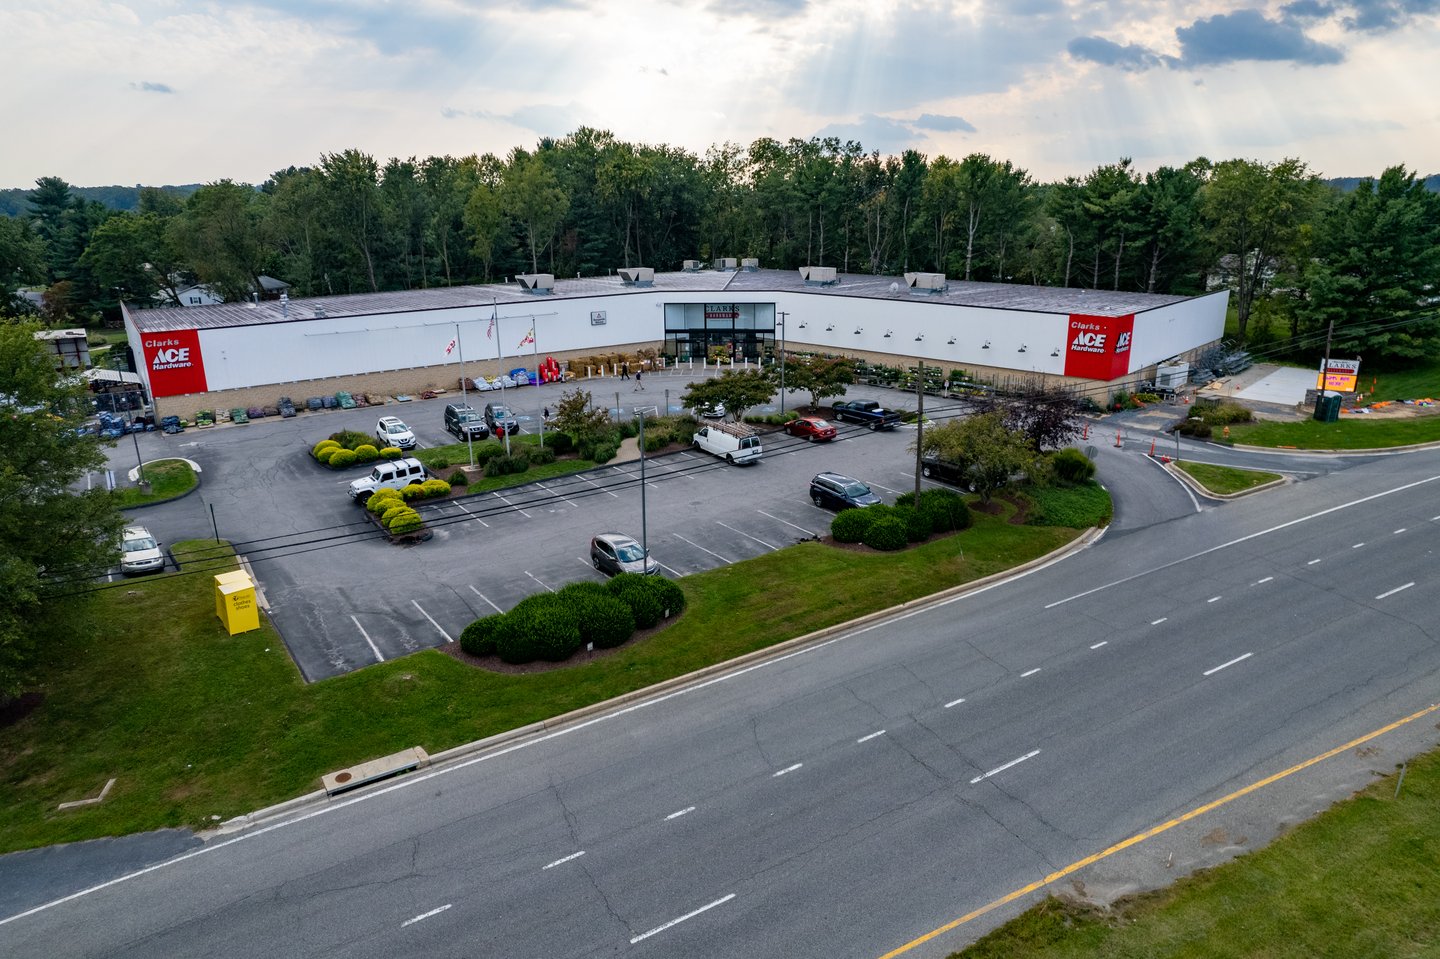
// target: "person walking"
[[639, 385], [624, 371]]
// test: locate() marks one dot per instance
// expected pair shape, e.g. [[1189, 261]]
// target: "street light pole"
[[919, 424], [644, 533], [782, 314]]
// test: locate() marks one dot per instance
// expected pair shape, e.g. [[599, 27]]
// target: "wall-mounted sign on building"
[[721, 311], [1098, 347], [174, 362], [1338, 375], [597, 317]]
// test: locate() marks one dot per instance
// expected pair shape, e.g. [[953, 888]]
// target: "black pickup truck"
[[867, 413]]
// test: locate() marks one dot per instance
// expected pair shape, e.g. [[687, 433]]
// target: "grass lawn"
[[144, 685], [1350, 433], [167, 478], [1358, 881], [1226, 479], [1413, 384]]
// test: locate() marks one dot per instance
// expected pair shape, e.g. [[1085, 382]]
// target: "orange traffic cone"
[[1152, 447], [1118, 444]]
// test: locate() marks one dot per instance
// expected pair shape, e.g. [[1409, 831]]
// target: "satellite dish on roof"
[[894, 287]]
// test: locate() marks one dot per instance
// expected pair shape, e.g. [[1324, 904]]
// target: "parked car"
[[287, 407], [140, 552], [614, 553], [837, 491], [710, 411], [812, 428], [500, 420], [465, 422], [932, 467], [392, 431], [395, 474], [867, 413]]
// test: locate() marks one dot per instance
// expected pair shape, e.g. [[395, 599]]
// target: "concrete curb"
[[1196, 486], [667, 686]]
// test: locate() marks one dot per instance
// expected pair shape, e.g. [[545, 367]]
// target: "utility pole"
[[1325, 365], [919, 423], [782, 314], [644, 536]]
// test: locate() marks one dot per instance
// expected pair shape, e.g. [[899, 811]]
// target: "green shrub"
[[391, 453], [1222, 413], [561, 443], [917, 523], [551, 628], [656, 441], [1078, 507], [582, 588], [350, 439], [541, 457], [635, 591], [323, 445], [342, 458], [478, 639], [849, 525], [405, 520], [605, 620], [412, 491], [1148, 397], [366, 453], [669, 593], [435, 487], [627, 429], [946, 509], [458, 478], [604, 454], [1195, 427], [383, 499], [503, 465], [392, 510], [439, 462], [1072, 466], [886, 533]]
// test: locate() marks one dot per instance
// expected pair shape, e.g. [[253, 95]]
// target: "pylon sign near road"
[[1338, 375]]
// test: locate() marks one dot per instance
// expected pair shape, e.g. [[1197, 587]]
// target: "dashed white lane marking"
[[689, 915], [597, 485], [866, 739], [1399, 531], [537, 579], [954, 702], [517, 509], [1312, 562], [562, 860], [787, 523], [1102, 642], [1265, 580], [1231, 663], [702, 549], [1213, 599], [1392, 592], [375, 649], [1157, 622], [448, 637], [682, 812], [472, 515], [1031, 672], [425, 915], [561, 495], [747, 535], [1357, 545], [787, 769], [1000, 769], [486, 598]]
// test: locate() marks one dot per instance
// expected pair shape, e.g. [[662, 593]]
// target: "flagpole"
[[500, 362], [535, 343], [464, 397]]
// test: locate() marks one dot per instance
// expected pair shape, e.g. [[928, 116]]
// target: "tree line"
[[1297, 252]]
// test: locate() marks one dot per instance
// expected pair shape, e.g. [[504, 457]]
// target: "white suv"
[[139, 551], [392, 431]]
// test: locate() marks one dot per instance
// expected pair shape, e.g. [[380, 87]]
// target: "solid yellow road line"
[[1154, 831]]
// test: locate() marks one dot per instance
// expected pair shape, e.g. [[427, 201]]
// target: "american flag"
[[491, 331]]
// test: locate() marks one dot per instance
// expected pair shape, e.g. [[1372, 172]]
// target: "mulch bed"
[[494, 664]]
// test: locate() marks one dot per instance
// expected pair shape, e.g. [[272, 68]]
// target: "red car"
[[812, 427]]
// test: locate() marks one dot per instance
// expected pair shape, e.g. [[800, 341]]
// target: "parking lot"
[[343, 597]]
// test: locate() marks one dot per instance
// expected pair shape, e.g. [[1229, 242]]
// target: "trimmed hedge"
[[401, 521], [917, 523], [560, 442], [945, 508], [886, 533], [435, 487], [341, 458], [478, 639], [366, 453], [849, 525], [637, 593], [503, 465], [323, 445], [391, 453], [1072, 466], [541, 457], [458, 478]]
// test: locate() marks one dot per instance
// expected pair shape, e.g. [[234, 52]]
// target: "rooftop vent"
[[637, 276], [750, 264], [926, 282], [537, 282], [693, 266], [726, 263], [819, 275], [319, 312]]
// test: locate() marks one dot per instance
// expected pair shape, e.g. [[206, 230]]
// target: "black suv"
[[835, 491], [500, 420], [464, 422], [932, 467]]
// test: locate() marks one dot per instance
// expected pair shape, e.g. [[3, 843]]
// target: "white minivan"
[[735, 442], [396, 474]]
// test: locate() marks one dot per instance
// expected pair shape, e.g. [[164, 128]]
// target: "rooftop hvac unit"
[[725, 263], [819, 275], [637, 275], [926, 282], [693, 266], [537, 282], [750, 264]]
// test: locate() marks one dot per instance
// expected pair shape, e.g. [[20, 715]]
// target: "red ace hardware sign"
[[1338, 375], [174, 361], [1098, 347]]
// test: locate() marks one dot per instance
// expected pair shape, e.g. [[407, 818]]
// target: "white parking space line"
[[448, 637], [683, 812], [1398, 531], [787, 523], [511, 505], [1213, 599], [672, 572], [1232, 662], [1103, 642], [1265, 580], [1157, 622], [560, 495], [1357, 545], [688, 915], [886, 488], [486, 598], [703, 549], [375, 649], [1030, 672], [584, 478], [954, 702], [1000, 769], [746, 535], [866, 739], [631, 474], [1312, 562], [425, 915], [537, 579], [1392, 592], [787, 769], [562, 860], [472, 515]]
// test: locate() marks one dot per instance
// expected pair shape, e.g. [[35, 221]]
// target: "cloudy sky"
[[173, 91]]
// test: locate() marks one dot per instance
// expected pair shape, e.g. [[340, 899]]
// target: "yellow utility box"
[[235, 602]]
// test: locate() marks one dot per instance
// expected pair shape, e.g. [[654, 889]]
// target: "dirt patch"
[[14, 710], [494, 664]]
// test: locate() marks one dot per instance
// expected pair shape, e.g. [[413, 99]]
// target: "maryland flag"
[[451, 347], [529, 338]]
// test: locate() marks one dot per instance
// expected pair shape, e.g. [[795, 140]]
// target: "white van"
[[736, 442], [396, 474]]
